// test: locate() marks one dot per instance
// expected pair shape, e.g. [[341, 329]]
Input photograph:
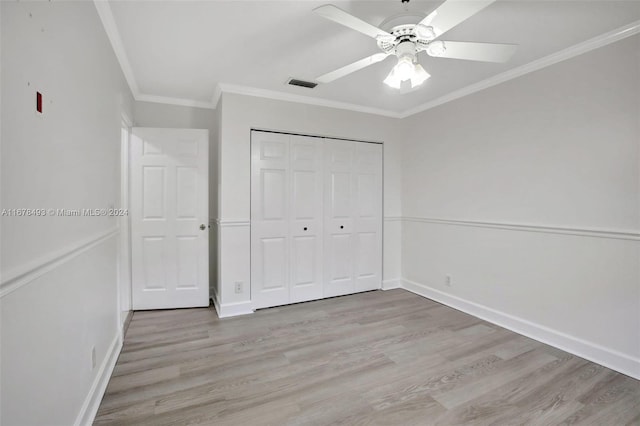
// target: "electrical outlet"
[[238, 287], [93, 357], [447, 280]]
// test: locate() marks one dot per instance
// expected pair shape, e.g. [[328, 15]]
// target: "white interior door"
[[169, 214]]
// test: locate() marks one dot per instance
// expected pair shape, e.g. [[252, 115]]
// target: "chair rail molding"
[[225, 223], [393, 218], [616, 234], [23, 275]]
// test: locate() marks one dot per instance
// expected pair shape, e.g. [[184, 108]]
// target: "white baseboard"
[[391, 284], [232, 309], [614, 360], [216, 304], [94, 397]]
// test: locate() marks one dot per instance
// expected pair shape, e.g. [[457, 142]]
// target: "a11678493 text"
[[24, 212]]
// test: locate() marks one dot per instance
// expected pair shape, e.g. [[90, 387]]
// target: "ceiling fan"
[[406, 40]]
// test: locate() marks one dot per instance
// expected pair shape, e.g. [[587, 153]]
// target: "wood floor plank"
[[375, 358]]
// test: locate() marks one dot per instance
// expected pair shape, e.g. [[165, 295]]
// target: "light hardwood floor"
[[382, 358]]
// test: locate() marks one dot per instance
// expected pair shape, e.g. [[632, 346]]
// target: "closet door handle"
[[341, 226], [305, 228]]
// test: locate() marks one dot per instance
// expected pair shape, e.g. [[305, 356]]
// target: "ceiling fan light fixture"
[[419, 76], [436, 48], [404, 69], [392, 80]]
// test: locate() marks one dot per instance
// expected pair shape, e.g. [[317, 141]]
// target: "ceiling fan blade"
[[338, 15], [484, 52], [348, 69], [452, 12]]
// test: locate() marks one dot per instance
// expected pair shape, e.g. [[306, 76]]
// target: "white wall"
[[557, 154], [239, 114], [150, 114], [59, 283]]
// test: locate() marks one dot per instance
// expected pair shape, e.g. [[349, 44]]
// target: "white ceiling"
[[185, 49]]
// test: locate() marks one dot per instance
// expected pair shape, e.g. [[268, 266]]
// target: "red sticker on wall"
[[39, 102]]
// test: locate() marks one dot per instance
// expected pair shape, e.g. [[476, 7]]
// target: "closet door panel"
[[306, 221], [270, 187], [338, 208], [367, 183]]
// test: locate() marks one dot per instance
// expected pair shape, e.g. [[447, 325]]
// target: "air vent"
[[302, 83]]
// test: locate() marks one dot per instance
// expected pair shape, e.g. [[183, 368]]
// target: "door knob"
[[202, 227]]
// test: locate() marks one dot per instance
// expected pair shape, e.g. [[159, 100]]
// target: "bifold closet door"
[[367, 181], [306, 221], [353, 217], [286, 219]]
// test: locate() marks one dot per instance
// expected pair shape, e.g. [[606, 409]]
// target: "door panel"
[[367, 195], [274, 194], [274, 263], [153, 259], [153, 192], [341, 261], [304, 193], [304, 254], [187, 257], [169, 202], [341, 194], [187, 192], [366, 244]]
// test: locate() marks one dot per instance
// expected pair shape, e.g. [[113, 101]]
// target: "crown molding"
[[568, 53], [309, 100], [108, 21], [217, 95], [174, 101]]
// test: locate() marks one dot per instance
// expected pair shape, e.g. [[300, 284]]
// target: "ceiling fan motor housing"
[[403, 34], [406, 49]]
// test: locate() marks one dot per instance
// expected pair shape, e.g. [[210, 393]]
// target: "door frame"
[[204, 219], [124, 224]]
